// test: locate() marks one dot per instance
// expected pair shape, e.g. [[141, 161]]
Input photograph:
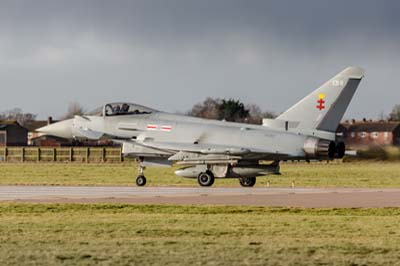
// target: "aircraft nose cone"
[[61, 129]]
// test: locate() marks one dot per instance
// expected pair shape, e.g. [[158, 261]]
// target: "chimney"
[[364, 120], [49, 120]]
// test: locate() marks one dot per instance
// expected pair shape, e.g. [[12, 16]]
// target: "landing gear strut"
[[206, 179], [247, 181], [141, 179]]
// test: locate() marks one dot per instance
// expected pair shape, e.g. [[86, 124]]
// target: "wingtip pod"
[[353, 72]]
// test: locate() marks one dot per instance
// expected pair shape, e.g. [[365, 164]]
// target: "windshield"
[[112, 109]]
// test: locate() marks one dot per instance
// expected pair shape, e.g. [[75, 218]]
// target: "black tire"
[[206, 179], [247, 181], [141, 181]]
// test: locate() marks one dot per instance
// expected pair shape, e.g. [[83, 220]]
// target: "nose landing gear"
[[141, 179]]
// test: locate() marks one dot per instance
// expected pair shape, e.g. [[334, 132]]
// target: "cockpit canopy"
[[121, 108]]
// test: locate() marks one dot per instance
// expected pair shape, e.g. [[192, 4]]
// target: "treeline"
[[211, 108], [24, 118], [18, 115], [230, 110]]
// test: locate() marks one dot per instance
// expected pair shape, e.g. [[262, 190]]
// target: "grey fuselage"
[[171, 128]]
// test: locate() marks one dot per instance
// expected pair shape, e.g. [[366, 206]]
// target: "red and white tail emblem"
[[166, 128], [321, 101]]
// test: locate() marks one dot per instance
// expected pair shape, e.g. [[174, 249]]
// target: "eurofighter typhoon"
[[209, 149]]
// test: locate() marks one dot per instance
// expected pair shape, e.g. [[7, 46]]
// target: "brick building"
[[358, 134], [12, 134]]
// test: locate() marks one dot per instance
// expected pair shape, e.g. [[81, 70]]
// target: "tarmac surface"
[[282, 197]]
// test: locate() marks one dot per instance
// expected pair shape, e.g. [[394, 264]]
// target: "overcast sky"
[[171, 54]]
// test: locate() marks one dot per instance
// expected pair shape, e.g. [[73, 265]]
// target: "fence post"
[[6, 154], [87, 154], [71, 154], [120, 155], [103, 154], [54, 154], [22, 154], [38, 154]]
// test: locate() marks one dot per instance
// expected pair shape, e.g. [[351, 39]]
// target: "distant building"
[[365, 133], [12, 134], [49, 141]]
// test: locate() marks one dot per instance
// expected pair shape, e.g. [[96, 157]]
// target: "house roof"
[[8, 122], [375, 126], [5, 123], [30, 126], [33, 125]]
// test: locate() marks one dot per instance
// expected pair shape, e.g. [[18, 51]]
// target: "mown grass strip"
[[120, 234], [336, 174]]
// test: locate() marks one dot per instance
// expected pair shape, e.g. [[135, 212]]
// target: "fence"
[[60, 154]]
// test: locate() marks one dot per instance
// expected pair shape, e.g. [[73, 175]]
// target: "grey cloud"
[[171, 54]]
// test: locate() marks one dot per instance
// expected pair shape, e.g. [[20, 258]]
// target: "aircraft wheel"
[[247, 181], [141, 181], [206, 179]]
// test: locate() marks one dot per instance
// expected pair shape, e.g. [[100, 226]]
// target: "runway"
[[282, 197]]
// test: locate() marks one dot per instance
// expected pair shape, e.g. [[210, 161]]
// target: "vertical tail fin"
[[324, 108]]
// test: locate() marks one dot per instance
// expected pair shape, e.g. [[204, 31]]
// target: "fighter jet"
[[209, 149]]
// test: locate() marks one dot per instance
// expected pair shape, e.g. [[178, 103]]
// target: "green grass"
[[106, 234], [336, 174]]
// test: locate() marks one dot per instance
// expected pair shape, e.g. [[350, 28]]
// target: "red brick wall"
[[357, 139]]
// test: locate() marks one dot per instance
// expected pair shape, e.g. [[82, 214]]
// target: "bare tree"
[[256, 115], [382, 116], [395, 114], [74, 108], [208, 109], [18, 115]]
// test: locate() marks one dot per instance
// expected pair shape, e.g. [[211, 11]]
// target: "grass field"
[[106, 234], [113, 234], [336, 174]]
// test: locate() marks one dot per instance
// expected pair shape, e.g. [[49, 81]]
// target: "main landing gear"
[[206, 179], [247, 181], [141, 179]]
